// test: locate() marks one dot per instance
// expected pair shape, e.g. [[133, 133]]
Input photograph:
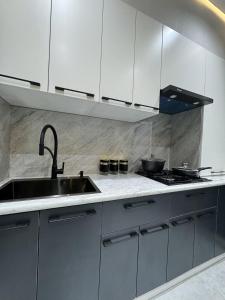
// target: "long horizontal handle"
[[141, 105], [117, 100], [20, 79], [206, 214], [62, 89], [182, 222], [138, 204], [13, 226], [72, 217], [154, 229], [218, 172], [195, 194], [119, 239]]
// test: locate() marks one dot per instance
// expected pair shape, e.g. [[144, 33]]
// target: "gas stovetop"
[[169, 178]]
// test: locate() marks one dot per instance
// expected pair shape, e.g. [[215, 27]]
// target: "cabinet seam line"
[[167, 260], [134, 64], [38, 255], [138, 255], [49, 51], [101, 54], [100, 258]]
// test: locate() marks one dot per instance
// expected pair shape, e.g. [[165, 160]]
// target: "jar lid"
[[113, 162], [123, 161]]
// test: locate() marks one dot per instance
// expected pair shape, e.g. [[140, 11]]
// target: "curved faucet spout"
[[42, 147]]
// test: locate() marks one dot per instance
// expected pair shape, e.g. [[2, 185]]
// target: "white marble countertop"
[[112, 187]]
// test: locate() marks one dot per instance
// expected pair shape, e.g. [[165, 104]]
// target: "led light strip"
[[213, 8]]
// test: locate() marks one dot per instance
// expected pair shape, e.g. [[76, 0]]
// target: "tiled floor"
[[207, 285]]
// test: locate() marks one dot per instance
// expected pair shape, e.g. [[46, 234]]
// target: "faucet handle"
[[61, 171]]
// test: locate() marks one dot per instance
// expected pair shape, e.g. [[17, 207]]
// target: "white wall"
[[189, 18]]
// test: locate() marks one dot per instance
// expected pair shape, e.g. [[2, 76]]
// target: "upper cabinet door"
[[183, 63], [213, 140], [148, 50], [76, 47], [118, 51], [24, 39]]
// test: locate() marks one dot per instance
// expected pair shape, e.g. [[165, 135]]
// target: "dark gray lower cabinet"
[[18, 256], [205, 230], [181, 247], [119, 266], [152, 259], [220, 234], [70, 253]]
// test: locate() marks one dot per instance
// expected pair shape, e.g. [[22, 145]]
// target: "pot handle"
[[204, 168]]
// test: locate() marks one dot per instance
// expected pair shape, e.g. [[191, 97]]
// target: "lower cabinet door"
[[18, 256], [69, 255], [181, 247], [152, 259], [119, 266], [205, 231], [220, 234]]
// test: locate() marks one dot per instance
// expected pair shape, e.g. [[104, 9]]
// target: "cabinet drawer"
[[181, 246], [119, 254], [118, 215], [18, 256], [205, 231], [193, 200], [69, 253], [152, 258]]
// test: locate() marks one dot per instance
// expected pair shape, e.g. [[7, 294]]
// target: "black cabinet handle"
[[141, 105], [121, 238], [72, 217], [154, 229], [15, 226], [20, 79], [138, 204], [117, 100], [195, 194], [62, 89], [182, 222], [206, 214]]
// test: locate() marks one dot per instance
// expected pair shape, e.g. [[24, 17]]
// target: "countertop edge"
[[23, 206]]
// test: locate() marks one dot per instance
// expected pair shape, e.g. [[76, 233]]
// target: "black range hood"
[[174, 100]]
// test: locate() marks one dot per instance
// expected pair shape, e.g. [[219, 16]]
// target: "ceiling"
[[191, 18], [220, 4]]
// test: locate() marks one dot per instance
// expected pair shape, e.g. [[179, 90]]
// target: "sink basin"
[[44, 187]]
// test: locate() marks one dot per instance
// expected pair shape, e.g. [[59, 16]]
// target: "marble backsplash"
[[4, 139], [186, 136], [83, 141]]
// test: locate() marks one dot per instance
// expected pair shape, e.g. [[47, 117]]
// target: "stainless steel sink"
[[39, 188]]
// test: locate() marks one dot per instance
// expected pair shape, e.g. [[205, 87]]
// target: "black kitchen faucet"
[[42, 147]]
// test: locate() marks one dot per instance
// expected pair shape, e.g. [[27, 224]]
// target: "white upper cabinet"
[[118, 42], [75, 51], [24, 42], [183, 63], [213, 140], [148, 54]]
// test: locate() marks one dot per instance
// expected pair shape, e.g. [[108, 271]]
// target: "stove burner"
[[169, 178]]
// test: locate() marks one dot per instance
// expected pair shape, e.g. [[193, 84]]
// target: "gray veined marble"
[[4, 139], [186, 138], [112, 187], [83, 141]]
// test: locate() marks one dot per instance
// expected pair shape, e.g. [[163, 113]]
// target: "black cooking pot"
[[153, 165], [183, 171]]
